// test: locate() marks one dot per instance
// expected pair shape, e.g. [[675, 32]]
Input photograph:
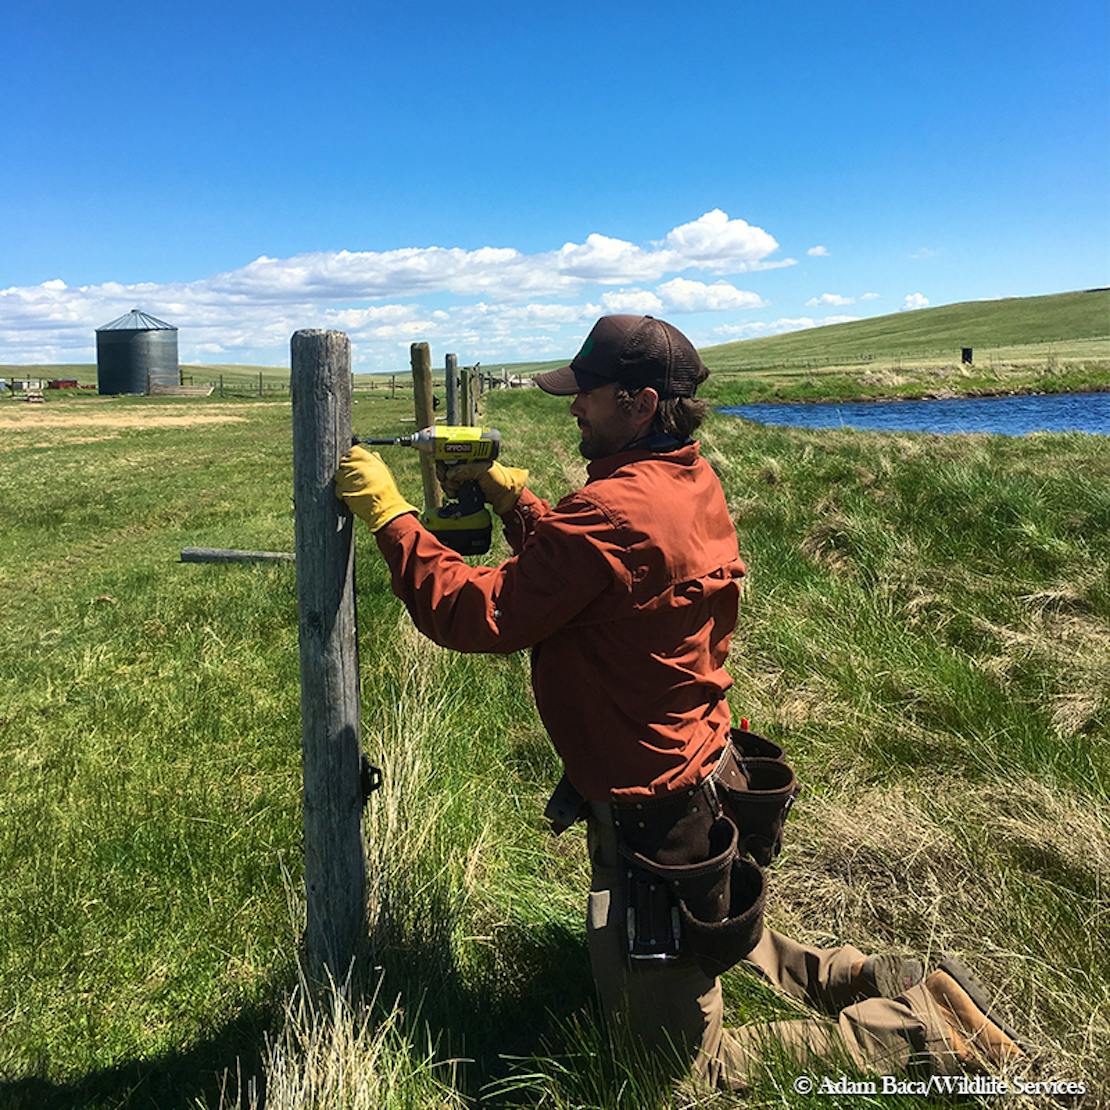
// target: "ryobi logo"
[[457, 448]]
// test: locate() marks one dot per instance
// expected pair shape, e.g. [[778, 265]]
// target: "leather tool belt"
[[694, 859]]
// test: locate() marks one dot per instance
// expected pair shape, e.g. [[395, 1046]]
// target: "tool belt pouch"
[[718, 945], [750, 745], [759, 807], [719, 900]]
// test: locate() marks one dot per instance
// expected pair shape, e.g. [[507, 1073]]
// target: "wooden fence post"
[[421, 356], [334, 861], [451, 385], [464, 396], [472, 387]]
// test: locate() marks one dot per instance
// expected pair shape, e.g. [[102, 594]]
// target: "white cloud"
[[777, 327], [830, 299], [914, 300], [722, 245], [923, 253], [509, 295], [641, 302], [869, 297], [819, 251], [696, 296]]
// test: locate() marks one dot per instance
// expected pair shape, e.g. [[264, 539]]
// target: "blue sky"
[[491, 179]]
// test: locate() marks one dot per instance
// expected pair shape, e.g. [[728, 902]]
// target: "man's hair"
[[676, 416]]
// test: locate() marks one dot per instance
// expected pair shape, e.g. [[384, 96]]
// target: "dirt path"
[[38, 417]]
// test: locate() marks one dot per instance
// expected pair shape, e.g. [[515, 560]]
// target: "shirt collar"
[[684, 453]]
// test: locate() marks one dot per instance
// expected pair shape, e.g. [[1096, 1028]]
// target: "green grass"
[[925, 626]]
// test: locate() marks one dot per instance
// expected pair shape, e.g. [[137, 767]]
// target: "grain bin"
[[135, 352]]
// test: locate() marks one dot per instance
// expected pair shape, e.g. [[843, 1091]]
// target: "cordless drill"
[[464, 524]]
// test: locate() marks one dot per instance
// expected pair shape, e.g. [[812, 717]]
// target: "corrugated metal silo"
[[134, 352]]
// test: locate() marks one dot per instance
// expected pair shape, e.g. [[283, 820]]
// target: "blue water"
[[1011, 416]]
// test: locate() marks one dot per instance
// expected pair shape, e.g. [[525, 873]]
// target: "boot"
[[977, 1036], [886, 976]]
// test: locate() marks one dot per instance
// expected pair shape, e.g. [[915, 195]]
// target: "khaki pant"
[[674, 1007]]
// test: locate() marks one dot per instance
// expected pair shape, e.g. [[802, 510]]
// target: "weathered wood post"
[[464, 396], [451, 381], [473, 392], [421, 356], [334, 859]]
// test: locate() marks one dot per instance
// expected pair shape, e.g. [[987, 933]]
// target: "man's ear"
[[647, 404]]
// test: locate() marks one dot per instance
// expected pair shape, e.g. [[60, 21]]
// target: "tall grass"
[[924, 626]]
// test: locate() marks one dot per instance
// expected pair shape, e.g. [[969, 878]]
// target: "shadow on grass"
[[175, 1081], [514, 999]]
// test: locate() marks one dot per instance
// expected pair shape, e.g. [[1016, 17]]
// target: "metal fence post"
[[451, 386]]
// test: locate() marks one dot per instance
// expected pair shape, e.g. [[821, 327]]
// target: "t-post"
[[334, 858], [451, 388]]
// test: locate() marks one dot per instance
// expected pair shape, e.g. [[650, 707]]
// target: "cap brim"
[[565, 381], [561, 382]]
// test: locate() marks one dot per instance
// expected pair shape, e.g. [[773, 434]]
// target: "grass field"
[[925, 627]]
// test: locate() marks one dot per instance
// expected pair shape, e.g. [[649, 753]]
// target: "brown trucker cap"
[[634, 351]]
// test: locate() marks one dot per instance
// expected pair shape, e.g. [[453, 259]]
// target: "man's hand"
[[501, 485], [364, 482]]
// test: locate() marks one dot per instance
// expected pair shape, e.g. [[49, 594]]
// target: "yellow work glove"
[[501, 485], [364, 482]]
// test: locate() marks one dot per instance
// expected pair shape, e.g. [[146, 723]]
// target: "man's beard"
[[591, 449], [591, 446]]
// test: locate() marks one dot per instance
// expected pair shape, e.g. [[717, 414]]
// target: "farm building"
[[135, 352]]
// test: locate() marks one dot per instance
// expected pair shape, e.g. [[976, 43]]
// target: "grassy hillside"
[[981, 325], [925, 627], [1026, 344]]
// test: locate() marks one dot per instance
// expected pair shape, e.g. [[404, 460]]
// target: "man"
[[627, 592]]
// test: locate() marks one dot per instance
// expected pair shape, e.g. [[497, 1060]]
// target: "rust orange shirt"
[[627, 593]]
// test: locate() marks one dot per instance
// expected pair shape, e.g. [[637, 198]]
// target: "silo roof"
[[135, 320]]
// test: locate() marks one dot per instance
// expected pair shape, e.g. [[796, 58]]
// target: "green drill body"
[[464, 524]]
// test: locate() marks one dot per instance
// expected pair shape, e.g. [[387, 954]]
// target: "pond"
[[1012, 416]]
